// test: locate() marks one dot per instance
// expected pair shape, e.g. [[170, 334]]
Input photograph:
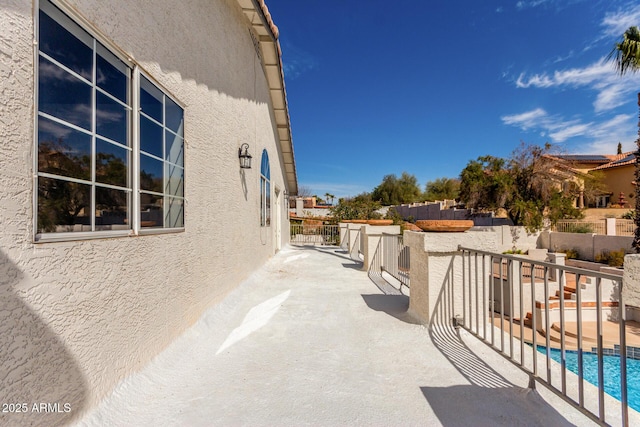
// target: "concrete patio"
[[310, 340]]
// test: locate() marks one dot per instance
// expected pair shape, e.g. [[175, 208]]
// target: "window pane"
[[112, 75], [150, 174], [175, 213], [63, 206], [150, 99], [111, 119], [150, 137], [268, 204], [174, 116], [65, 47], [175, 181], [175, 148], [63, 95], [111, 163], [63, 151], [111, 209], [151, 210]]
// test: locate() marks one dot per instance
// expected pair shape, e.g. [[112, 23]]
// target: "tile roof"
[[620, 160]]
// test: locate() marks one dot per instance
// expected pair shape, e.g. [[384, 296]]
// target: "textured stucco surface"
[[631, 280], [76, 317]]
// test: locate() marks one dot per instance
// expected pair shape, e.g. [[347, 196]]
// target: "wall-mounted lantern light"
[[244, 156]]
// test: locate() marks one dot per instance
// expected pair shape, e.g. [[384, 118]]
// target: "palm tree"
[[329, 196], [626, 57]]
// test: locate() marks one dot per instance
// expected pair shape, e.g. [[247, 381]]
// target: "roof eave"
[[271, 54]]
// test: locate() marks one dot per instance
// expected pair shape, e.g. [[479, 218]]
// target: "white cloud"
[[527, 120], [601, 77], [620, 128], [616, 23]]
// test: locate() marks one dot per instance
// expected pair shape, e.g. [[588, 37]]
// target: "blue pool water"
[[611, 366]]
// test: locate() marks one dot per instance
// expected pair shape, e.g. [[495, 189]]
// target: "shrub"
[[571, 253], [579, 228], [515, 252], [612, 258]]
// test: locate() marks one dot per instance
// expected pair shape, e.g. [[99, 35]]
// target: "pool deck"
[[610, 334], [309, 340]]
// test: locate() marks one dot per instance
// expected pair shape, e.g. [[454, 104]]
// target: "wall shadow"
[[394, 305], [41, 384], [472, 405], [489, 398]]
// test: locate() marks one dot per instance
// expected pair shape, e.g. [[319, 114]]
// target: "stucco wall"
[[77, 317], [631, 286], [587, 245], [619, 180]]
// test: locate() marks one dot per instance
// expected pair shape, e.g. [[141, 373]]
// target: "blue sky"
[[381, 87]]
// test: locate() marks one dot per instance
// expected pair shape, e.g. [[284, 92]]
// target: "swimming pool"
[[611, 366]]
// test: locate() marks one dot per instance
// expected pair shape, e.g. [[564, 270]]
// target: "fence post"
[[371, 235], [610, 226], [437, 272]]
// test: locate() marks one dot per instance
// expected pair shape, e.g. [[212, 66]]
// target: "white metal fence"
[[623, 227], [391, 263], [303, 234], [559, 310]]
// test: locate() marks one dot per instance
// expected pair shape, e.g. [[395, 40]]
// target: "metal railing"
[[314, 234], [580, 226], [625, 227], [391, 258], [528, 319]]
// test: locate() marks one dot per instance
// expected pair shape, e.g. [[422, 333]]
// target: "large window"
[[85, 142], [265, 191], [161, 159]]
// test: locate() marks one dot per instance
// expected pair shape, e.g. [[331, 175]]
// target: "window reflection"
[[161, 150], [111, 119], [150, 99], [175, 148], [150, 137], [63, 150], [151, 210], [63, 95], [72, 161], [174, 116], [63, 46], [175, 212], [63, 206], [150, 174], [175, 180], [111, 163], [113, 80], [111, 209]]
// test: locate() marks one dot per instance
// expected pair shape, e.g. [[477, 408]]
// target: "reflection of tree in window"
[[57, 157], [61, 203]]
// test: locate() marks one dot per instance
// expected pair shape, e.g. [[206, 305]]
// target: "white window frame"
[[265, 190], [133, 178]]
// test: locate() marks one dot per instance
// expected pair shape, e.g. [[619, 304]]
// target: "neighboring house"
[[307, 207], [619, 178], [124, 210], [617, 172]]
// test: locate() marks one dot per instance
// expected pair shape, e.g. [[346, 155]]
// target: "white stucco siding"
[[76, 317]]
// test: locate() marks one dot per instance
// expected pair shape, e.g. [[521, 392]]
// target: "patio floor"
[[309, 340]]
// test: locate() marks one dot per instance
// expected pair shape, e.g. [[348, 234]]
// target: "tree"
[[626, 57], [395, 191], [442, 189], [485, 183], [527, 186], [361, 206], [329, 196], [619, 148]]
